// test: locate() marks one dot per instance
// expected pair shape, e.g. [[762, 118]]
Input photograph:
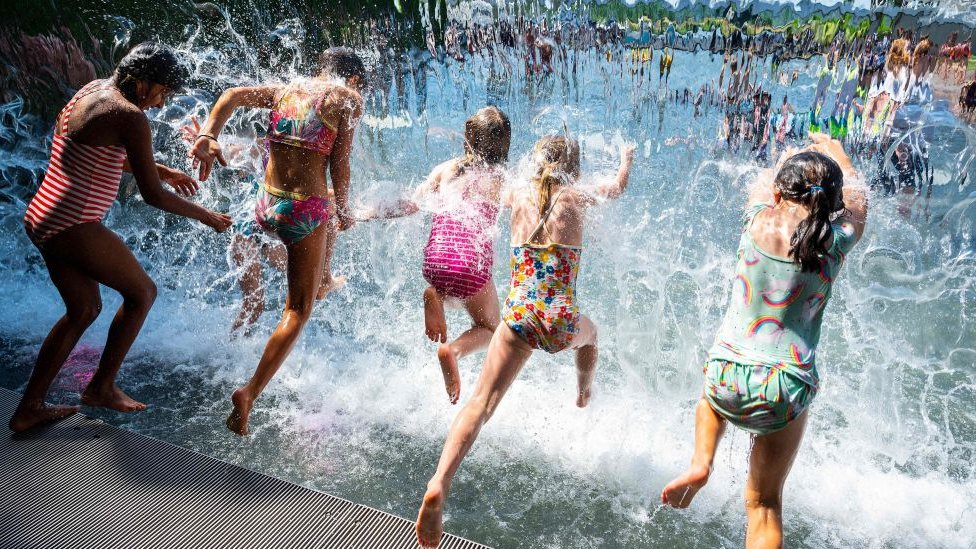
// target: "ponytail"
[[559, 161], [809, 241], [543, 186], [815, 180]]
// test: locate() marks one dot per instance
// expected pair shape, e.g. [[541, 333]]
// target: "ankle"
[[701, 468], [436, 488], [98, 387], [245, 392], [30, 404]]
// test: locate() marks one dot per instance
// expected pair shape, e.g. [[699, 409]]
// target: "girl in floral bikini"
[[541, 310], [310, 134]]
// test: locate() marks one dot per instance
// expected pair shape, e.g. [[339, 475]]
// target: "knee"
[[143, 297], [481, 407], [301, 310], [86, 314]]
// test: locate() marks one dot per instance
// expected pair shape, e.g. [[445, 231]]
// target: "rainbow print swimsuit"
[[761, 371]]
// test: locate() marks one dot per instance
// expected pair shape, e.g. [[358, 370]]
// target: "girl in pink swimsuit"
[[465, 193], [459, 254]]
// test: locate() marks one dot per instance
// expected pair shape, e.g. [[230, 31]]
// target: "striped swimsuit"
[[460, 253], [80, 184]]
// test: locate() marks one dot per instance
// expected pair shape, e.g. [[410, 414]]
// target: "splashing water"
[[359, 409]]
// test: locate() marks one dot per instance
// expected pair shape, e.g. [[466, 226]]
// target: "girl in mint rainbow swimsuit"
[[761, 373]]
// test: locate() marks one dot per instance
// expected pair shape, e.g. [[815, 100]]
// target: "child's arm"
[[400, 208], [183, 184], [404, 207], [617, 187], [206, 148]]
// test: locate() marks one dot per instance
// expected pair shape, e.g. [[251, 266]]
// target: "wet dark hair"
[[150, 62], [815, 180], [342, 62]]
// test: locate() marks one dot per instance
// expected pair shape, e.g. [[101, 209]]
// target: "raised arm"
[[138, 147], [615, 188], [855, 194], [206, 148]]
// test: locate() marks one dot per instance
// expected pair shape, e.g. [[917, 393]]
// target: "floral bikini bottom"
[[290, 216]]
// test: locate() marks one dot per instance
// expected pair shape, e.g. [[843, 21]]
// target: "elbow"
[[156, 200]]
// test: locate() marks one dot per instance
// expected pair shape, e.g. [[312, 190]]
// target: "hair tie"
[[814, 189]]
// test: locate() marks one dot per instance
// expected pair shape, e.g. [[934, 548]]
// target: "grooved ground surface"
[[82, 483]]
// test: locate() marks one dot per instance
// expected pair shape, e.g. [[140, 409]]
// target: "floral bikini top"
[[295, 121]]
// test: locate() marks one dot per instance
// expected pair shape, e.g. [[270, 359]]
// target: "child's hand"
[[627, 153], [204, 152], [183, 184], [190, 132], [345, 221], [216, 221]]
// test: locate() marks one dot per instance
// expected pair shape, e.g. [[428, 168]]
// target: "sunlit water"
[[359, 409]]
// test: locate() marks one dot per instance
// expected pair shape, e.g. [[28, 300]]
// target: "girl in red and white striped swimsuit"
[[100, 131], [81, 180]]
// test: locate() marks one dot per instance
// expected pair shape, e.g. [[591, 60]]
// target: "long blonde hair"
[[487, 137], [558, 160]]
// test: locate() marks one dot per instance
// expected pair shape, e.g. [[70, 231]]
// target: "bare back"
[[99, 118], [303, 170], [564, 224]]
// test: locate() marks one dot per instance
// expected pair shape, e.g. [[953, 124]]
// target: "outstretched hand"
[[182, 183], [627, 152], [189, 132], [830, 147], [204, 149], [217, 221]]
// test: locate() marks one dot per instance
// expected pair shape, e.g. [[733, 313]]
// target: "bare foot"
[[680, 491], [449, 367], [112, 397], [583, 398], [28, 417], [435, 325], [430, 520], [329, 286], [237, 420]]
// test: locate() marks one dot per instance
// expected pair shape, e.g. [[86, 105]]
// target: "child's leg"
[[483, 309], [82, 305], [507, 353], [586, 356], [244, 252], [769, 463], [304, 274], [435, 325], [329, 283], [709, 427]]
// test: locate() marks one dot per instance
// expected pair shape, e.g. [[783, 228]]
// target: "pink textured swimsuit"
[[460, 253]]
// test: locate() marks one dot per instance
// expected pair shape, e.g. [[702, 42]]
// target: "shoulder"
[[346, 98], [444, 170], [121, 114]]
